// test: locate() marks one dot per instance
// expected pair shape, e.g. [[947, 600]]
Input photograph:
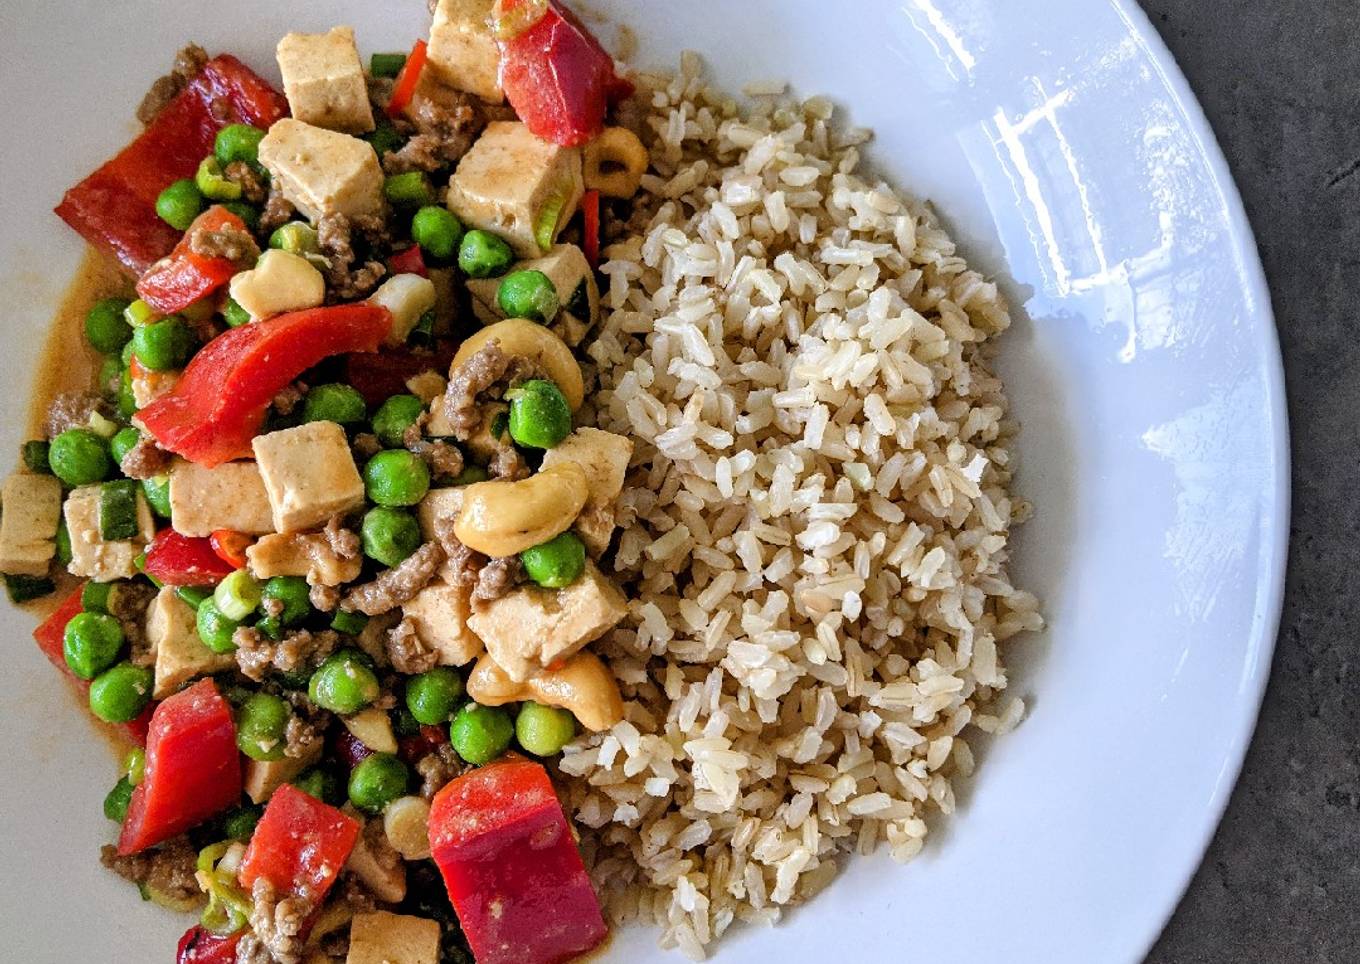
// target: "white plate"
[[1065, 151]]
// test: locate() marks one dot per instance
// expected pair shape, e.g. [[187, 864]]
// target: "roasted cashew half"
[[583, 685], [614, 163], [527, 339], [502, 518]]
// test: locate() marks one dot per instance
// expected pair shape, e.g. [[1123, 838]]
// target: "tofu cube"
[[309, 475], [308, 554], [482, 445], [531, 628], [382, 938], [462, 49], [324, 80], [229, 496], [321, 171], [569, 271], [377, 865], [443, 503], [28, 523], [440, 614], [91, 556], [147, 386], [604, 457], [407, 296], [280, 281], [504, 183], [261, 778], [172, 630]]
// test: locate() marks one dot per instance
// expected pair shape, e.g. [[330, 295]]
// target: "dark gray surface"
[[1280, 82]]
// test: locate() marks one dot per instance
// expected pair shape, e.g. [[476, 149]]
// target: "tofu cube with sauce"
[[260, 778], [309, 475], [324, 80], [462, 49], [91, 556], [28, 523], [569, 271], [531, 627], [510, 180], [379, 937], [171, 629], [376, 864], [321, 171], [444, 503], [604, 457], [228, 496], [308, 554], [440, 613]]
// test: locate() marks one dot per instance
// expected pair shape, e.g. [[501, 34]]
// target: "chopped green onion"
[[118, 510], [63, 544], [545, 225], [101, 426], [234, 315], [134, 764], [412, 189], [23, 589], [213, 183], [384, 139], [295, 237], [386, 65], [35, 457], [351, 623], [94, 598], [192, 595], [140, 313], [238, 595]]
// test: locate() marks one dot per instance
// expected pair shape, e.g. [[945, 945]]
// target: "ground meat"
[[278, 211], [273, 606], [253, 187], [257, 655], [336, 235], [277, 923], [497, 578], [366, 445], [231, 243], [300, 736], [407, 653], [251, 950], [168, 870], [508, 463], [438, 768], [343, 542], [128, 605], [463, 564], [324, 598], [447, 121], [145, 460], [396, 585], [379, 92], [188, 62], [444, 459], [72, 410], [477, 376], [289, 398]]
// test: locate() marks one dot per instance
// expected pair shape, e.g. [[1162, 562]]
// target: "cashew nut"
[[619, 150], [527, 339], [501, 518], [405, 821], [583, 685]]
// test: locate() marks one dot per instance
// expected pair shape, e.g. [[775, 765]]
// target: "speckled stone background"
[[1280, 82]]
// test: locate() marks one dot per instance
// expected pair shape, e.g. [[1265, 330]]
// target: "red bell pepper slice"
[[202, 946], [555, 73], [178, 281], [408, 261], [379, 377], [512, 870], [590, 242], [231, 546], [220, 400], [114, 208], [193, 769], [173, 559], [300, 845], [408, 80]]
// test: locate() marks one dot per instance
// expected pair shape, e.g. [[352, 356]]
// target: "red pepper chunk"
[[201, 946], [220, 401], [408, 80], [555, 73], [512, 870], [193, 769], [114, 208], [178, 281], [178, 560], [300, 845], [377, 377]]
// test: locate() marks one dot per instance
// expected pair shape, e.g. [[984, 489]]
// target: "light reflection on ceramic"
[[1067, 156]]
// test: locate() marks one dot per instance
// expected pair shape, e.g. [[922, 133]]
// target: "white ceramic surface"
[[1065, 151]]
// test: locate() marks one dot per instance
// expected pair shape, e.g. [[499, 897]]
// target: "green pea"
[[432, 696], [162, 345], [260, 726], [79, 457], [123, 442], [343, 683], [334, 403], [120, 693], [386, 65], [479, 734], [322, 784], [528, 294], [351, 624], [556, 563], [484, 255], [296, 237], [438, 231], [240, 823], [295, 595], [394, 417], [544, 730], [396, 477], [412, 189], [377, 781], [179, 204], [134, 764], [539, 414], [37, 456], [157, 492], [234, 315], [238, 142], [389, 534], [248, 213], [214, 628], [91, 643], [106, 328], [118, 800]]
